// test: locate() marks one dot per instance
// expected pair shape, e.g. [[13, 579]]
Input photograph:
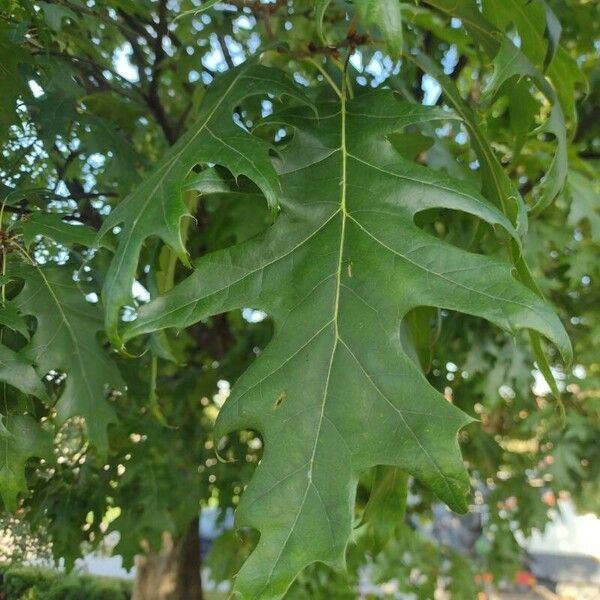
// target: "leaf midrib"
[[344, 158], [337, 339]]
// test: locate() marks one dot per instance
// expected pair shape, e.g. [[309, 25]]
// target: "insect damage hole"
[[280, 400]]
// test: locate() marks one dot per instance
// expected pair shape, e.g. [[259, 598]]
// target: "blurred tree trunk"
[[174, 572]]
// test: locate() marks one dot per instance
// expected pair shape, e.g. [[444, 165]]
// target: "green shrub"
[[32, 583], [17, 581], [86, 588]]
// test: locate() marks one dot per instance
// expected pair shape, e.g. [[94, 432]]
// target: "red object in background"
[[525, 578]]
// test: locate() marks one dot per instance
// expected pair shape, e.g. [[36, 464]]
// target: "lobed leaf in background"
[[585, 202], [511, 61], [387, 16], [65, 341], [539, 36], [156, 207], [53, 227], [21, 438], [18, 371]]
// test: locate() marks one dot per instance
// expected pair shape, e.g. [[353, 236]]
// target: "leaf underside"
[[335, 392]]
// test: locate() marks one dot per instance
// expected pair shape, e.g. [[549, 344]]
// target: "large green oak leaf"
[[335, 392]]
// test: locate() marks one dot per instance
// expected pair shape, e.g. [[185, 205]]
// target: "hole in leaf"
[[280, 399]]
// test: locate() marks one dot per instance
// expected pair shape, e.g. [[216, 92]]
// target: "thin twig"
[[225, 50]]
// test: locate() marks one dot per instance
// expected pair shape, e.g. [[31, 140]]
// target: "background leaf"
[[21, 438], [69, 325]]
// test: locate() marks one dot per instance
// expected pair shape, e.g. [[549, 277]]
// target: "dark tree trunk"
[[174, 572]]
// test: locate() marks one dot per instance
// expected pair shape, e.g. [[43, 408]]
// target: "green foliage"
[[214, 137], [34, 583], [21, 438], [409, 564], [86, 588], [20, 582], [68, 324], [351, 265], [157, 194], [387, 15]]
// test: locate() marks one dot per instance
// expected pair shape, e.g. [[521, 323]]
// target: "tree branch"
[[225, 50], [152, 97]]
